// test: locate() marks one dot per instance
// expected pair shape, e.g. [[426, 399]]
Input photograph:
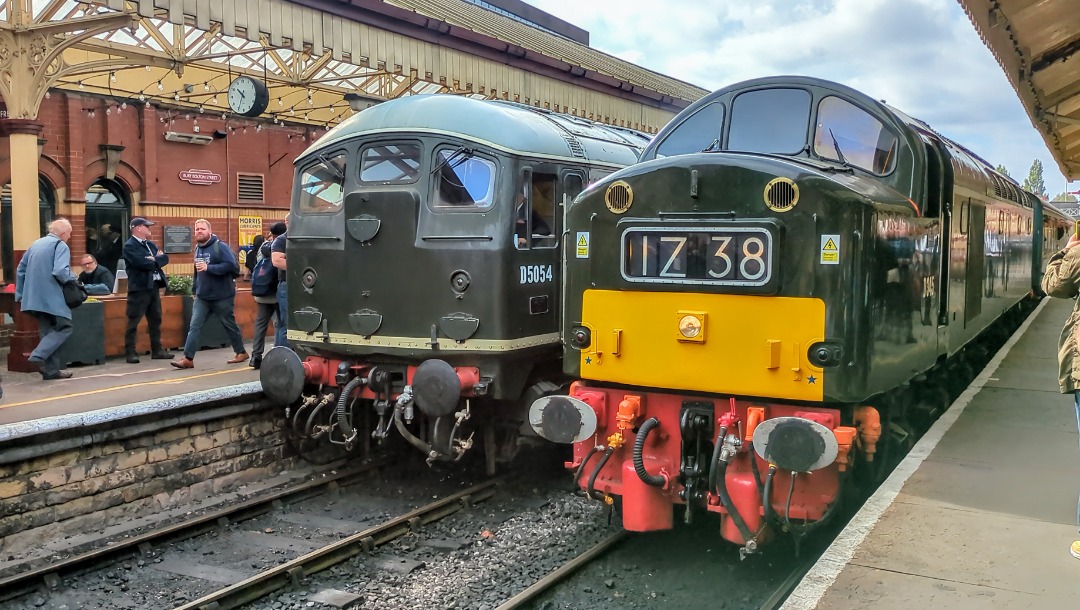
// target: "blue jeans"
[[200, 311], [283, 315]]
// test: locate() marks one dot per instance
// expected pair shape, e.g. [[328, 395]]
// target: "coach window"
[[695, 134], [322, 185], [770, 121], [390, 164], [465, 180], [849, 134], [534, 211]]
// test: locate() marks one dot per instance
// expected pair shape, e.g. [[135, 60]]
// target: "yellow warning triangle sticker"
[[829, 245], [582, 241]]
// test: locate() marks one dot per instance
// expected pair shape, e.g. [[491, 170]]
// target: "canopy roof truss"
[[1037, 44], [185, 52]]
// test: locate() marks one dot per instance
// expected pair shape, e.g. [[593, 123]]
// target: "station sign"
[[200, 176]]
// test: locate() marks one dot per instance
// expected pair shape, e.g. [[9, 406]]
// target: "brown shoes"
[[237, 359], [183, 363]]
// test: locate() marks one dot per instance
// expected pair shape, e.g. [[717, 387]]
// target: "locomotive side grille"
[[249, 188], [576, 148], [781, 194]]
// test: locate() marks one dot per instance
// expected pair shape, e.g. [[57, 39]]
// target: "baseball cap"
[[140, 222]]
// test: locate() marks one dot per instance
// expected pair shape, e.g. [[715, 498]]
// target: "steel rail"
[[562, 572], [191, 527], [781, 592], [292, 572]]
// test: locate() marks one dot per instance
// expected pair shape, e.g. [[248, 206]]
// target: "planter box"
[[175, 315], [173, 324], [87, 344]]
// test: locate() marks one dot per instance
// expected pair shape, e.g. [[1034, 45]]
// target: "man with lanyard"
[[145, 280]]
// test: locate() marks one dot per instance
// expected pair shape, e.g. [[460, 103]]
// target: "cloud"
[[921, 56]]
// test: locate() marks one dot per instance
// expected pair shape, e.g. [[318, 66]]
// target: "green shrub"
[[179, 284]]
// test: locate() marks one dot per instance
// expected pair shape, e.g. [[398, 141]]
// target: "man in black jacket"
[[145, 280], [96, 278]]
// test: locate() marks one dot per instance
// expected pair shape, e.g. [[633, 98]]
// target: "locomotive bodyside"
[[424, 265], [770, 298]]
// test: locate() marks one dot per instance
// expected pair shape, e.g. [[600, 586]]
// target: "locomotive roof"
[[515, 128], [969, 168]]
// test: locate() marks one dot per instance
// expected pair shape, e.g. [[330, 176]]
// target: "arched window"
[[107, 214], [46, 212]]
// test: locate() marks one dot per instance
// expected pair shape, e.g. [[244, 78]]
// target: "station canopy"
[[311, 54], [1037, 43]]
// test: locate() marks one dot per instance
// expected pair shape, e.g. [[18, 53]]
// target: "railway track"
[[292, 572], [50, 572]]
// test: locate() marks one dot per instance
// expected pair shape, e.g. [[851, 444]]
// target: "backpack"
[[264, 278], [217, 250]]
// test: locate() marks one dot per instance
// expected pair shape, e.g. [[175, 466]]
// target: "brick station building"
[[105, 161]]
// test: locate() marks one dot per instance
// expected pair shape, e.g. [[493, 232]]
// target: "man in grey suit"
[[43, 268]]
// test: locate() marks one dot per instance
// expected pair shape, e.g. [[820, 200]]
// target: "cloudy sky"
[[921, 56]]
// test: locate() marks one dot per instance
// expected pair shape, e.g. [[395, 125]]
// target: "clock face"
[[247, 96]]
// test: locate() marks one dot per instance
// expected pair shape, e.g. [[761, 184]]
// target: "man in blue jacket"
[[43, 268], [146, 277], [216, 270]]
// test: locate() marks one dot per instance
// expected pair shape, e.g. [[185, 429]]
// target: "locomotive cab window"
[[390, 164], [322, 185], [465, 181], [770, 121], [695, 134], [534, 211], [849, 134]]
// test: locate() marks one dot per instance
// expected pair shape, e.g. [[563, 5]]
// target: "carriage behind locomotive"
[[755, 322], [424, 270]]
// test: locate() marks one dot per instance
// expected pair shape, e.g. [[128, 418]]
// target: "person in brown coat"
[[1062, 280]]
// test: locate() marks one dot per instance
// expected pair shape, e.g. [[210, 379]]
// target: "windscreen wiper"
[[836, 145], [462, 152], [331, 166]]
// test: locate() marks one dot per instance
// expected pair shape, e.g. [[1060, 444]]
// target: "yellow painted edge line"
[[114, 388]]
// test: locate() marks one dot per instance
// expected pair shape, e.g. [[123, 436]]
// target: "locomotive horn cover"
[[436, 388], [795, 444], [282, 375], [562, 419]]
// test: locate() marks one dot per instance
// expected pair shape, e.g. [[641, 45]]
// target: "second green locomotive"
[[773, 298]]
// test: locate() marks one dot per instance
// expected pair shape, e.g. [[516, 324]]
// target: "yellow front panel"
[[747, 345]]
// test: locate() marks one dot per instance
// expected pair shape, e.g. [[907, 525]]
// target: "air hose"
[[718, 483], [653, 480], [716, 457], [590, 488], [347, 430], [585, 460]]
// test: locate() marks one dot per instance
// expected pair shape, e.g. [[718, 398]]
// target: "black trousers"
[[143, 303]]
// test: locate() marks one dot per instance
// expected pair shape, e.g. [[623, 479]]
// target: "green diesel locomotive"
[[776, 296], [424, 270]]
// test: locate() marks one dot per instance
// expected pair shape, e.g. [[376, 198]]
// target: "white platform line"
[[822, 576]]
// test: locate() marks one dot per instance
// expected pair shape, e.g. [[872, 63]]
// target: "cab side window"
[[534, 211], [321, 185]]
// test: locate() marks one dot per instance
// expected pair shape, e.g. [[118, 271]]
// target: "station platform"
[[116, 390], [981, 513]]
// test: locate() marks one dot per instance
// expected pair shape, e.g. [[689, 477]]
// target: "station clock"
[[248, 96]]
